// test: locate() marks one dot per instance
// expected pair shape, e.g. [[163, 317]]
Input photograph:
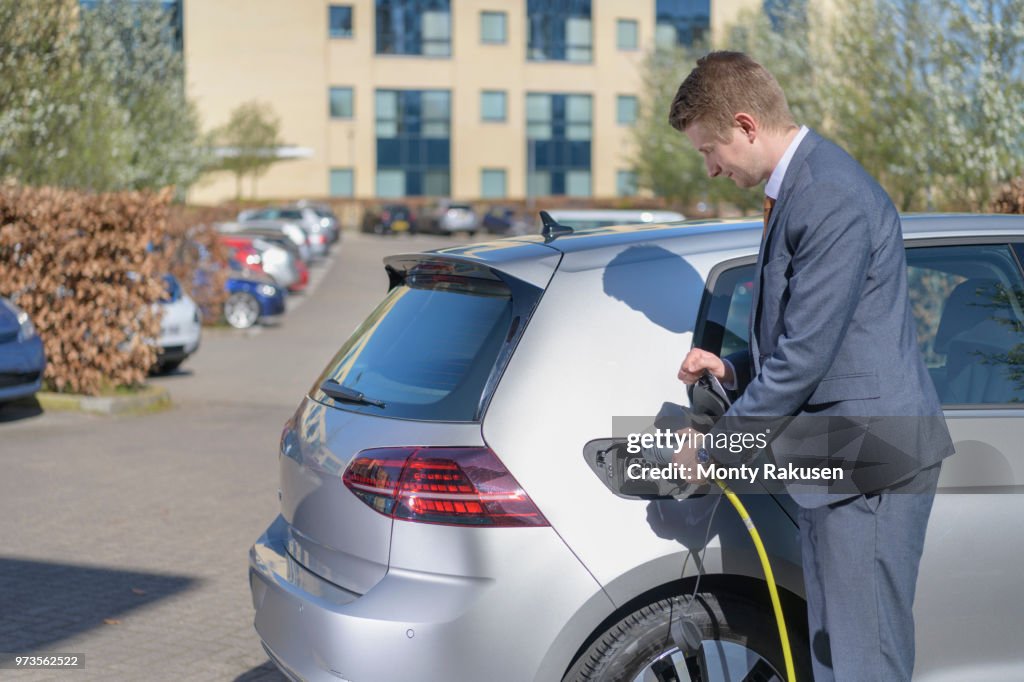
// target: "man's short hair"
[[723, 85]]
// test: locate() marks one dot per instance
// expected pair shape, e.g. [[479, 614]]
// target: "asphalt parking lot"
[[125, 539]]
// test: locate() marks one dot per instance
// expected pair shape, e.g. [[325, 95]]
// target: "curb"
[[149, 399]]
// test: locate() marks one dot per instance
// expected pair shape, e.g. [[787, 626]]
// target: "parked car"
[[267, 257], [327, 218], [22, 358], [251, 298], [582, 219], [437, 514], [321, 233], [180, 327], [273, 229], [389, 218], [448, 217], [504, 220]]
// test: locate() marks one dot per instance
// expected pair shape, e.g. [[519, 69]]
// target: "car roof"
[[703, 236]]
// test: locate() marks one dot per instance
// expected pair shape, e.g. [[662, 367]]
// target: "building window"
[[414, 27], [492, 27], [577, 183], [173, 11], [681, 22], [413, 142], [627, 34], [626, 108], [559, 128], [492, 105], [342, 182], [339, 21], [559, 31], [492, 183], [625, 183], [341, 102]]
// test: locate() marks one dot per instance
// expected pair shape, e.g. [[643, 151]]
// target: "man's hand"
[[698, 361], [686, 456]]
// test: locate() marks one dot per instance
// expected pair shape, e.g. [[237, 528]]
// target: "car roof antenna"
[[551, 229]]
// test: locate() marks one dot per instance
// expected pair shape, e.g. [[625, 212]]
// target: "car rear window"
[[428, 350]]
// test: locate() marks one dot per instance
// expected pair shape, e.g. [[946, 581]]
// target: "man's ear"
[[748, 125]]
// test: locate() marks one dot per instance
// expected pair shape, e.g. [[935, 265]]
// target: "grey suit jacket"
[[832, 338]]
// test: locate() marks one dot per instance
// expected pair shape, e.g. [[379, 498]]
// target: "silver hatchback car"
[[439, 521]]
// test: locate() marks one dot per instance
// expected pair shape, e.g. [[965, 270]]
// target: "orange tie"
[[769, 203]]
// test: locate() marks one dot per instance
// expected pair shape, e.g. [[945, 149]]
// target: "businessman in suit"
[[831, 337]]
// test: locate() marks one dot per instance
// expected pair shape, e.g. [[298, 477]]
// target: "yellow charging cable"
[[769, 576]]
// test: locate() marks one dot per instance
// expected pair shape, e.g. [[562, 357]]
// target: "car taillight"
[[455, 486]]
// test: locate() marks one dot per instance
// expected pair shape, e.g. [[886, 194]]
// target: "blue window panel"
[[414, 27], [390, 183], [559, 31], [389, 152], [413, 141], [579, 155], [626, 109], [627, 34], [342, 182], [558, 183], [492, 105], [492, 183], [438, 153], [413, 153], [681, 22], [339, 21], [341, 104], [414, 183], [493, 27], [625, 183]]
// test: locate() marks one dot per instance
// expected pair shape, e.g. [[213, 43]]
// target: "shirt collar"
[[771, 189]]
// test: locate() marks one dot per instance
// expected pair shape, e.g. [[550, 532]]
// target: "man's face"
[[738, 159]]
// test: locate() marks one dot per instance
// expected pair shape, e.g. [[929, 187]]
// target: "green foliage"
[[93, 98], [927, 94], [248, 141]]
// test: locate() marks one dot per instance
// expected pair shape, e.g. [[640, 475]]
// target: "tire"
[[241, 310], [738, 636], [472, 233]]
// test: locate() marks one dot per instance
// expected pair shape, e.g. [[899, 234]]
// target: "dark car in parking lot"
[[389, 218], [22, 358]]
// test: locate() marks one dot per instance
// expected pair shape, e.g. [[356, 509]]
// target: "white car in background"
[[584, 219], [180, 327]]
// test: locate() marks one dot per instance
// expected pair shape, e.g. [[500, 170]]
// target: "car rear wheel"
[[739, 641], [241, 310]]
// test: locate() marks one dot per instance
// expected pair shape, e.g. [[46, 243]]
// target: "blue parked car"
[[22, 359], [251, 297]]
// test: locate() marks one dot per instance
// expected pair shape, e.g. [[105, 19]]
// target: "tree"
[[93, 97], [130, 43], [927, 94], [248, 142]]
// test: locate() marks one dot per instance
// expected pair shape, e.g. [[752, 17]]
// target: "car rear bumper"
[[426, 626]]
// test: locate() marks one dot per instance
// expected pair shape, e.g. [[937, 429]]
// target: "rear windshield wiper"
[[348, 395]]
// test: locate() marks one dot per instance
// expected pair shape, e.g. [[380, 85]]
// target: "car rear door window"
[[428, 349]]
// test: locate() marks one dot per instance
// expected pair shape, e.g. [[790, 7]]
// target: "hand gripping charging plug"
[[625, 473], [617, 468]]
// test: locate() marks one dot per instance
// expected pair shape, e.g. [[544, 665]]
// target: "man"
[[831, 336]]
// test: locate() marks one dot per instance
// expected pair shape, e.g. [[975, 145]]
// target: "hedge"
[[79, 265]]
